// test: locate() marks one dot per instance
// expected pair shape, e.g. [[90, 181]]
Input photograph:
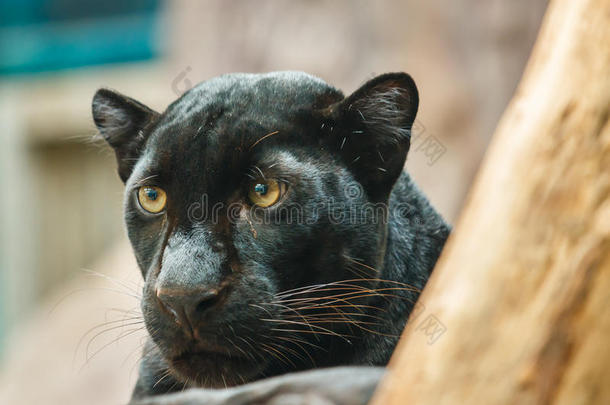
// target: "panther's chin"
[[214, 369]]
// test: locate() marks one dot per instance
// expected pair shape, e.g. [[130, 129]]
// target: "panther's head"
[[256, 206]]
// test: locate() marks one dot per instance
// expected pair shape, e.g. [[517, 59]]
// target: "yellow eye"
[[152, 199], [265, 193]]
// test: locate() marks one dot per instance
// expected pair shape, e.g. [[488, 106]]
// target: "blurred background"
[[69, 332]]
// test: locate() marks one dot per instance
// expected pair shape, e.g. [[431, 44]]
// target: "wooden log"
[[522, 290]]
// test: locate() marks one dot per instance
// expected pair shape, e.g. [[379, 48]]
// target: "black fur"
[[349, 213]]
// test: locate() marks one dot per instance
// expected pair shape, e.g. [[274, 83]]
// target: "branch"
[[523, 286]]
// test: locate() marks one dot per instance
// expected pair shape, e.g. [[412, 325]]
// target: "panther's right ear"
[[122, 122]]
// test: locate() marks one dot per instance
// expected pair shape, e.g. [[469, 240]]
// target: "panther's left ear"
[[371, 130], [122, 122]]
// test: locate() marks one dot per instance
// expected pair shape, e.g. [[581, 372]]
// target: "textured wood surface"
[[522, 290]]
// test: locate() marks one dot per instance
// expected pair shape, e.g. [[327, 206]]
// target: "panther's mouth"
[[214, 367], [208, 351]]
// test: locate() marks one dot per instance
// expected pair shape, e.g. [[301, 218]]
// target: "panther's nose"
[[188, 307]]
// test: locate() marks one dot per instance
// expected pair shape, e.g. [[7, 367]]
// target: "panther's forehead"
[[258, 97], [231, 112]]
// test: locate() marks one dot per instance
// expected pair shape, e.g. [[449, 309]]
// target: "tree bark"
[[519, 304]]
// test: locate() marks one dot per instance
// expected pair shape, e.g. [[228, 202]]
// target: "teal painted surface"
[[47, 35]]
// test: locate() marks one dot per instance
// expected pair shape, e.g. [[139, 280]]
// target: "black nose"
[[188, 307]]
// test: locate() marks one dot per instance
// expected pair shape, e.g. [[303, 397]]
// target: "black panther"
[[276, 232]]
